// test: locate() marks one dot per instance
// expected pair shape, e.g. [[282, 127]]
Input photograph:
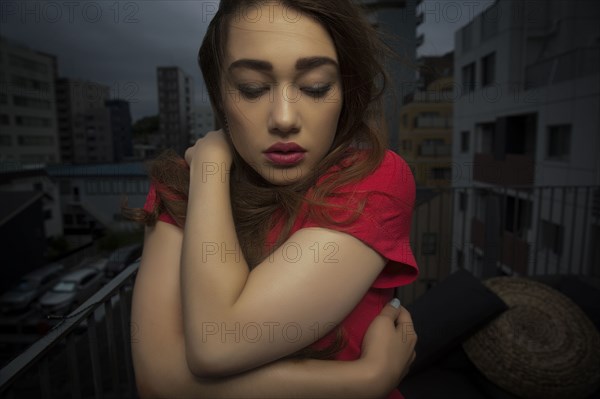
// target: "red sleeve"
[[151, 200], [384, 223]]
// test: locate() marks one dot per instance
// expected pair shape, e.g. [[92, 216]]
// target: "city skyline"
[[122, 44]]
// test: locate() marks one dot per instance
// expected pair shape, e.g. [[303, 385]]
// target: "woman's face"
[[282, 91]]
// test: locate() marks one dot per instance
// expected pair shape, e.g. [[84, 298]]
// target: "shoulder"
[[393, 176], [393, 169]]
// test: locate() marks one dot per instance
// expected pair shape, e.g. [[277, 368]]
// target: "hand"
[[213, 147], [389, 345]]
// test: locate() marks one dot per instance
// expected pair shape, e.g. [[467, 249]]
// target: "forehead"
[[277, 34]]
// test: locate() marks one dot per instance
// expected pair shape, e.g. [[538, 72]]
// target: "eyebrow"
[[302, 64]]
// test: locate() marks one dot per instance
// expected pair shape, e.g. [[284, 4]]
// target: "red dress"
[[384, 225]]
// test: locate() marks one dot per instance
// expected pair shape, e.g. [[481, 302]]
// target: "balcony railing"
[[88, 353], [504, 230]]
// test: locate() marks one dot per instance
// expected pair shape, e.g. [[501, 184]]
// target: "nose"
[[283, 117]]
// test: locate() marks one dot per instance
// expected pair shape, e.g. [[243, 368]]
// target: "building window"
[[484, 137], [464, 141], [406, 145], [68, 219], [552, 237], [27, 102], [462, 201], [47, 214], [36, 140], [468, 78], [429, 244], [559, 142], [33, 121], [434, 148], [441, 173], [488, 69], [4, 120], [431, 120]]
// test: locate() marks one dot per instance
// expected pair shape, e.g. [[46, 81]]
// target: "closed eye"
[[317, 91], [252, 91]]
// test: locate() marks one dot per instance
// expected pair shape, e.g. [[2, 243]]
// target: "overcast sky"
[[120, 43]]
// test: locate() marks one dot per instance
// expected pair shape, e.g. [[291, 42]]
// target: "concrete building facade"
[[526, 124], [121, 127], [28, 120], [84, 122], [176, 103], [426, 126]]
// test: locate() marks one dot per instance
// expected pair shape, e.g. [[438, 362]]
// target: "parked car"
[[30, 287], [122, 257], [98, 264], [71, 290]]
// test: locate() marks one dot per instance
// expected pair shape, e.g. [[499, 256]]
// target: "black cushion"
[[586, 296], [491, 390], [435, 383], [448, 313], [457, 360]]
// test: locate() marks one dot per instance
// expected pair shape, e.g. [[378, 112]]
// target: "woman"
[[287, 233]]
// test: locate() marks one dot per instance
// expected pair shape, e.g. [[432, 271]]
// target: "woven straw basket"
[[543, 346]]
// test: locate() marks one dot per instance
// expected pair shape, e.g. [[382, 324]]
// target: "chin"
[[283, 176]]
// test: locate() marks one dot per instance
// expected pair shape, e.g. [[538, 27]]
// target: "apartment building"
[[84, 121], [176, 99], [426, 123], [121, 128], [526, 126], [27, 105]]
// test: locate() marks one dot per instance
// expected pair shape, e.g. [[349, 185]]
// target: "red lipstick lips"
[[285, 154]]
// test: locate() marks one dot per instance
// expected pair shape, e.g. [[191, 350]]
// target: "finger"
[[403, 317], [391, 309]]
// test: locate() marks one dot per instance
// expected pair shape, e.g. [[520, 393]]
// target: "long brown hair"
[[358, 148]]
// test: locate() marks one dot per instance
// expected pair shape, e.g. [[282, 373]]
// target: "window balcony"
[[516, 169]]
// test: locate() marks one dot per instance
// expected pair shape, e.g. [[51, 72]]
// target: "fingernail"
[[395, 303]]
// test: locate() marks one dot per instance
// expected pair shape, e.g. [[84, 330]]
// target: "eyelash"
[[254, 92]]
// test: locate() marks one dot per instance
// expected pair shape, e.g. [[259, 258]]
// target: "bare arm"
[[220, 295], [159, 356]]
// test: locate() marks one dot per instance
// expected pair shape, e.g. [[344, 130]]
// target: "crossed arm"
[[159, 350], [220, 295]]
